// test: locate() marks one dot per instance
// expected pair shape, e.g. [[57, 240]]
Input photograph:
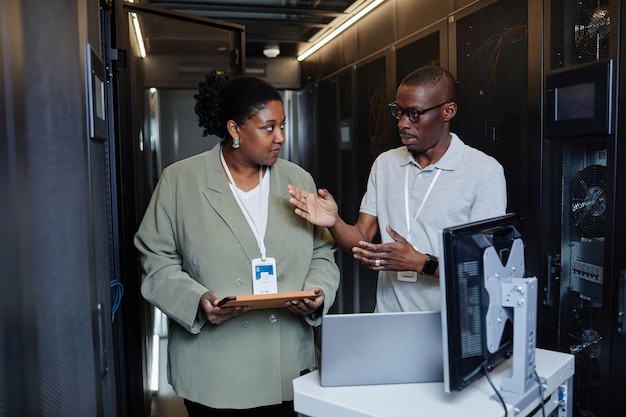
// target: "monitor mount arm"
[[513, 297]]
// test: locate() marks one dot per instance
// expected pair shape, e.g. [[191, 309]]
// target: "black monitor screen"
[[466, 300]]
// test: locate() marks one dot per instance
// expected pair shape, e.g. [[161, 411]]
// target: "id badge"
[[407, 276], [264, 276]]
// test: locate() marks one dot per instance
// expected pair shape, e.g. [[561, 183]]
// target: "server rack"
[[581, 198]]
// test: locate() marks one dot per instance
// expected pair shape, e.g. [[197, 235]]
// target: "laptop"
[[381, 348]]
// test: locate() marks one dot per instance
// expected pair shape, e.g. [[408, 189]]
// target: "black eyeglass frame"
[[411, 113]]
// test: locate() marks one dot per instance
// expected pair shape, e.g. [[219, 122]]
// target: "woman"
[[211, 217]]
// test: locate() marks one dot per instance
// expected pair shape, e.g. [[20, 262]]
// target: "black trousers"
[[279, 410]]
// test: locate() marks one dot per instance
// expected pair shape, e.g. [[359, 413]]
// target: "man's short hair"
[[436, 77]]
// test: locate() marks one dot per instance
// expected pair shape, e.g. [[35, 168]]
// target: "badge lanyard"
[[411, 276], [263, 206], [263, 269], [409, 223]]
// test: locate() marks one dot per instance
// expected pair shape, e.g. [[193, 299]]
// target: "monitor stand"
[[512, 297]]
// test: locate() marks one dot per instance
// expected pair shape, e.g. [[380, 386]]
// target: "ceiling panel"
[[290, 24]]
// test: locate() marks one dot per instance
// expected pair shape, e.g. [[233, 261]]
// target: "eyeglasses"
[[411, 113]]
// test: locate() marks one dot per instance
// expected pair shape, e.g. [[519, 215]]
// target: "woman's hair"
[[219, 100], [435, 77]]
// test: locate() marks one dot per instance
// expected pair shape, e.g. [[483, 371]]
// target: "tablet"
[[260, 301]]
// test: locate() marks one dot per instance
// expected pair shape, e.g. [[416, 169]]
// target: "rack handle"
[[553, 274], [621, 303]]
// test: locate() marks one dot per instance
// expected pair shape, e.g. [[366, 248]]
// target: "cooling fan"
[[591, 31], [585, 334], [589, 200], [585, 344]]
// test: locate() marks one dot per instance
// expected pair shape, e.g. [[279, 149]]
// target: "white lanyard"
[[406, 200], [263, 206]]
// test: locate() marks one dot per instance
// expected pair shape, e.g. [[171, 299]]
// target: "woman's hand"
[[306, 306], [215, 314]]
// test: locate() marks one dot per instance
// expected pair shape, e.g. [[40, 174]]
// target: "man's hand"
[[399, 255], [320, 209]]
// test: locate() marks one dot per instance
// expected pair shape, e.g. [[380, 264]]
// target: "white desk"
[[429, 399]]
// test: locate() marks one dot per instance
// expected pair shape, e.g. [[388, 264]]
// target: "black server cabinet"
[[581, 198], [491, 62]]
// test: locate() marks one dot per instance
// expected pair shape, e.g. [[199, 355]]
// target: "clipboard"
[[256, 302]]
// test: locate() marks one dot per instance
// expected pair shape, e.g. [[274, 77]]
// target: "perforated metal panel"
[[54, 100], [583, 204], [423, 51], [579, 32], [3, 372], [492, 73], [4, 211]]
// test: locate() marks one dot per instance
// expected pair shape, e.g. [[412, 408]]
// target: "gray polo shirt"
[[470, 186]]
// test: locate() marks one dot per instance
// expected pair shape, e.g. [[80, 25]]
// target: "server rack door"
[[175, 45], [490, 50], [577, 175], [615, 368], [582, 195]]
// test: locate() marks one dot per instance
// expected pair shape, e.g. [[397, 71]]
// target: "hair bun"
[[208, 104]]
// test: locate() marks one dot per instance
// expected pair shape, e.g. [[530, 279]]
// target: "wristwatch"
[[430, 266]]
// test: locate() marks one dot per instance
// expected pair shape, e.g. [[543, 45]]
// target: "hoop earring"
[[236, 143]]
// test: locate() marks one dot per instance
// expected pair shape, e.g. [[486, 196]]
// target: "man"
[[413, 192]]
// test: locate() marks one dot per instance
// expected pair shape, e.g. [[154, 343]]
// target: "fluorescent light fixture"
[[154, 371], [138, 35], [352, 20]]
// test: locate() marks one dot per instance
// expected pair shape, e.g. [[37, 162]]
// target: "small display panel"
[[575, 102], [579, 101]]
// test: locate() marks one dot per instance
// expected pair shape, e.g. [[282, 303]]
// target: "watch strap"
[[430, 266]]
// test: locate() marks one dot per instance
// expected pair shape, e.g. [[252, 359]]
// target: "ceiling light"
[[138, 35], [271, 51], [352, 20]]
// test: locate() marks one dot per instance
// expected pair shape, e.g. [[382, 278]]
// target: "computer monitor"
[[488, 304]]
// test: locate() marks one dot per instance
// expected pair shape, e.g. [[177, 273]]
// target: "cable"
[[543, 404], [506, 412], [117, 292]]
